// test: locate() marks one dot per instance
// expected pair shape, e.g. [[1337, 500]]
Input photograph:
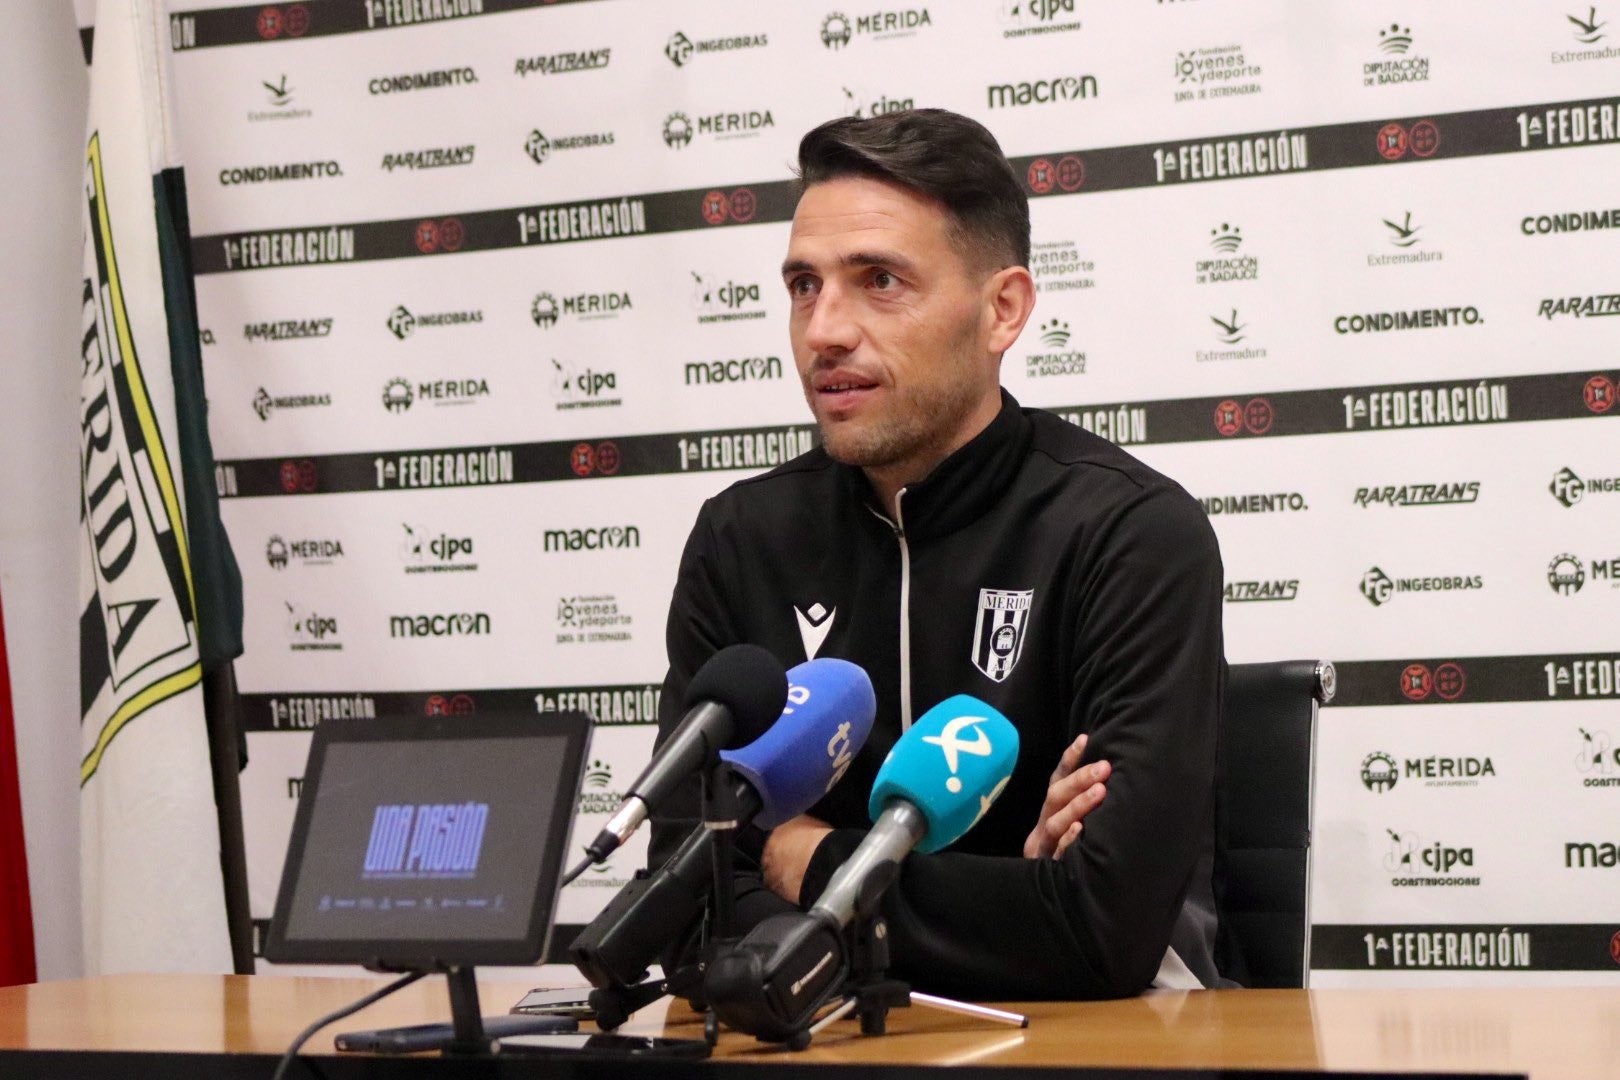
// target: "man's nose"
[[832, 327]]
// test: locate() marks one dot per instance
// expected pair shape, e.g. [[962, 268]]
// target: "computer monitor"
[[429, 842]]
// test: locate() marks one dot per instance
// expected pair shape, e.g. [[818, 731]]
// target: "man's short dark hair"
[[940, 154]]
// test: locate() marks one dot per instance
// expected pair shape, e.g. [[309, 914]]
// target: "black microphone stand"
[[613, 1005], [871, 993]]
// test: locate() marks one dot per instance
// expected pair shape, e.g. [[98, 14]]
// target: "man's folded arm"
[[1096, 922]]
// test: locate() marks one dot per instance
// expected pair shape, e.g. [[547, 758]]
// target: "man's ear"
[[1009, 302]]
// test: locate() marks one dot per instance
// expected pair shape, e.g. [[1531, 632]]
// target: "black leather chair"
[[1264, 772]]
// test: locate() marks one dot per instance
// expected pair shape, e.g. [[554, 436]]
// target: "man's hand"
[[1073, 793], [788, 849]]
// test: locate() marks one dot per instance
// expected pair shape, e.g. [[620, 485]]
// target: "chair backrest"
[[1264, 775]]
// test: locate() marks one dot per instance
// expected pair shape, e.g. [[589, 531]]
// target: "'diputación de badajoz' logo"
[[1055, 357], [1229, 262], [1397, 62]]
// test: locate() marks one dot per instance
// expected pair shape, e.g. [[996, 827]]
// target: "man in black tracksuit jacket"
[[1031, 564]]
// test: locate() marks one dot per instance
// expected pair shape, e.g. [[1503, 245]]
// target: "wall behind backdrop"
[[490, 306]]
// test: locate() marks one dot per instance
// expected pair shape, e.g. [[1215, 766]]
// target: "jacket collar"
[[963, 487]]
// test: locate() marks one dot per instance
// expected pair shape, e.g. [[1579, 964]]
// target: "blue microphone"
[[829, 712], [938, 780], [782, 773]]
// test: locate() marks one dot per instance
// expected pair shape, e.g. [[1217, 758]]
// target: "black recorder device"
[[432, 844]]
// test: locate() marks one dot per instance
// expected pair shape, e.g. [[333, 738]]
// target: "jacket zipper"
[[905, 613]]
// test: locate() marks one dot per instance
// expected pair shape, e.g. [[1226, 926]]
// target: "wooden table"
[[1545, 1033]]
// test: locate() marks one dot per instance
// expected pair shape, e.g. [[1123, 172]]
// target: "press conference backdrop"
[[491, 305]]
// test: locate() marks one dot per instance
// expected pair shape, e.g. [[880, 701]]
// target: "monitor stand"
[[468, 1033]]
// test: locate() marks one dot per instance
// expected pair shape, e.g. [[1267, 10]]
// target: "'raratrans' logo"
[[288, 329], [460, 624], [438, 157], [1581, 307], [1247, 592], [1442, 494], [564, 63]]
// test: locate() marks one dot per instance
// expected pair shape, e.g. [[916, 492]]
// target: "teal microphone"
[[938, 780]]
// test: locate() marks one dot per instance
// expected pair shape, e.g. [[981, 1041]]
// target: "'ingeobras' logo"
[[1377, 586]]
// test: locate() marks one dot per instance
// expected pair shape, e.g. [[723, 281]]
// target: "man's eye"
[[801, 286], [883, 279]]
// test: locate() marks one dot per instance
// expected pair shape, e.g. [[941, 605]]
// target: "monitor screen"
[[429, 841]]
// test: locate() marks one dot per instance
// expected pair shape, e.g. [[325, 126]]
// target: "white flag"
[[153, 893]]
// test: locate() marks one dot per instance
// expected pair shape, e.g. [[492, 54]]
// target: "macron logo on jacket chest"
[[998, 630], [814, 624]]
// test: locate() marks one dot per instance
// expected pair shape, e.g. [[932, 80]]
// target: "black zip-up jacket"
[[1056, 577]]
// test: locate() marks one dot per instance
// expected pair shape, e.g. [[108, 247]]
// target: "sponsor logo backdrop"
[[490, 308]]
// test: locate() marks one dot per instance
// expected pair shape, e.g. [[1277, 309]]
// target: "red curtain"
[[16, 913]]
